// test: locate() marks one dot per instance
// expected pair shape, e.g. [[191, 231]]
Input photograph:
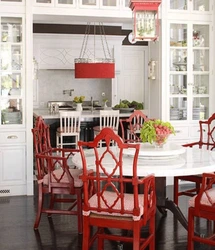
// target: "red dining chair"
[[207, 141], [131, 126], [202, 206], [55, 178], [110, 207]]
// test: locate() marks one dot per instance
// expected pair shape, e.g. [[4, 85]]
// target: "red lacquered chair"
[[109, 206], [202, 206], [207, 141], [55, 178], [132, 126]]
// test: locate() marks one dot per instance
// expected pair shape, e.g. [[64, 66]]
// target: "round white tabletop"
[[171, 160]]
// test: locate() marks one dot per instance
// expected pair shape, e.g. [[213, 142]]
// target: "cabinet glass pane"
[[17, 1], [89, 2], [65, 1], [201, 85], [10, 57], [43, 1], [178, 84], [109, 3], [11, 30], [126, 3], [201, 5], [178, 4], [201, 60], [11, 111], [200, 35], [200, 108], [178, 108], [10, 84]]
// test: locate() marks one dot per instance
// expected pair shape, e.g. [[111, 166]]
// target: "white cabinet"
[[185, 84], [13, 179]]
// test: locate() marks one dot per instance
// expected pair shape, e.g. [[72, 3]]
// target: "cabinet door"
[[12, 170], [189, 73], [11, 70], [190, 5]]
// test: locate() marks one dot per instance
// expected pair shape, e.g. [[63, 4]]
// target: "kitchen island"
[[89, 119]]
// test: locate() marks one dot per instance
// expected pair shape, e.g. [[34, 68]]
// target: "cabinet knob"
[[12, 137]]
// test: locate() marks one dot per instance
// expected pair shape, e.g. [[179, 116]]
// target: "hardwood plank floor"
[[60, 232]]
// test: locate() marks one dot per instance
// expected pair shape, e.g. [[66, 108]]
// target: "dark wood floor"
[[60, 232]]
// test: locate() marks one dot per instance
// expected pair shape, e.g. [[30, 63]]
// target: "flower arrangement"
[[79, 99], [156, 131]]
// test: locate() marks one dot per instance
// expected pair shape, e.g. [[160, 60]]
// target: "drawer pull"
[[202, 130], [12, 137], [177, 131]]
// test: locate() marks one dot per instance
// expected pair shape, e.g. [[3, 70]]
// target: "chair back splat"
[[106, 203], [70, 123], [56, 180], [206, 141], [131, 126], [107, 118]]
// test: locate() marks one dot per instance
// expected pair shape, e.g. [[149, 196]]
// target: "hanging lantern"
[[87, 65], [145, 19]]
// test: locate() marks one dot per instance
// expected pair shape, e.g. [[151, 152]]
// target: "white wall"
[[51, 84]]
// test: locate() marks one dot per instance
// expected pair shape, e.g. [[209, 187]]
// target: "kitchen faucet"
[[68, 91]]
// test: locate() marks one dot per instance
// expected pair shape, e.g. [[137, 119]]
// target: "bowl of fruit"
[[125, 106]]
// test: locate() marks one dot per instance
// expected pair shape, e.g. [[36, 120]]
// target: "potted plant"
[[156, 131], [79, 100]]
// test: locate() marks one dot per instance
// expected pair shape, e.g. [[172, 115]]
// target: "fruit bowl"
[[160, 140]]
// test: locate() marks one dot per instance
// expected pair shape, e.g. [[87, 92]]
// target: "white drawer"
[[195, 132], [180, 133], [12, 137]]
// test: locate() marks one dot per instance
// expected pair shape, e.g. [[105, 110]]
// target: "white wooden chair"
[[70, 122], [107, 118]]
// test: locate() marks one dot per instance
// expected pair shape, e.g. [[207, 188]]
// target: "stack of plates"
[[174, 114], [198, 113]]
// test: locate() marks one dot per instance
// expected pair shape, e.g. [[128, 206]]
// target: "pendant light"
[[145, 19], [88, 65]]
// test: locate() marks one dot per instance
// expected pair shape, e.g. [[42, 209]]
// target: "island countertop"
[[85, 115]]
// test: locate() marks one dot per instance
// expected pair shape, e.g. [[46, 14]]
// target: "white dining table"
[[169, 161]]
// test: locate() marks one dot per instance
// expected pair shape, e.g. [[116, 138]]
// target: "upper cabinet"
[[189, 70], [81, 5], [190, 5], [11, 70]]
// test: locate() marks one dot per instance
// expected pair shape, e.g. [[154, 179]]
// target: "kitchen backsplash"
[[52, 83]]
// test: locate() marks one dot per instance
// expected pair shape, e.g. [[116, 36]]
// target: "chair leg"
[[51, 205], [100, 239], [86, 233], [190, 230], [152, 232], [39, 207], [136, 236], [79, 211], [176, 190]]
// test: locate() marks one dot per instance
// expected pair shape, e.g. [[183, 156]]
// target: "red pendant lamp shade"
[[88, 66], [145, 19], [94, 70]]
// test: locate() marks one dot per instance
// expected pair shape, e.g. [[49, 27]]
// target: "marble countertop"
[[45, 113]]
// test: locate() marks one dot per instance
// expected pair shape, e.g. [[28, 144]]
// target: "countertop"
[[45, 113]]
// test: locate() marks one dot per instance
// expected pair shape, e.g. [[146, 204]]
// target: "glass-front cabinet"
[[189, 71], [11, 70], [193, 5]]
